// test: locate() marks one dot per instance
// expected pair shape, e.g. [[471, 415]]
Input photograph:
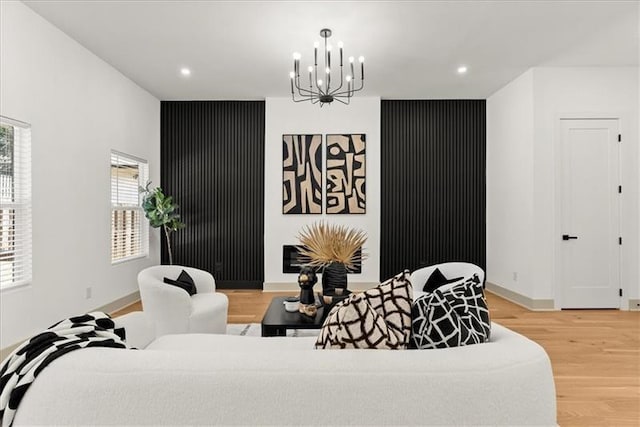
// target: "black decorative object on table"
[[334, 279], [306, 280]]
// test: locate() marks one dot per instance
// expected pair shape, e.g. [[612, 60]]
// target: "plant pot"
[[334, 279]]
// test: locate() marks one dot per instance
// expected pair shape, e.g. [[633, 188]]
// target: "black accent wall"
[[212, 163], [433, 183]]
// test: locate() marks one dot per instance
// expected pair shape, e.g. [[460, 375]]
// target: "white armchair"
[[449, 269], [174, 311]]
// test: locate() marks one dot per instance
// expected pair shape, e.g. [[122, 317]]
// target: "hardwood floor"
[[595, 354]]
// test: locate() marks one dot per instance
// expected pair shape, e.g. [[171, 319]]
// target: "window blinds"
[[15, 203], [129, 231]]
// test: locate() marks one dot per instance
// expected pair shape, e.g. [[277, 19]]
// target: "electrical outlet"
[[515, 276], [88, 292]]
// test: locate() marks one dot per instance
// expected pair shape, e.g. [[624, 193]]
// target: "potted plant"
[[335, 249], [160, 210]]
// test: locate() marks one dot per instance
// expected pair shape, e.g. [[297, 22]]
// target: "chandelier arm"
[[352, 91], [327, 65], [320, 91], [311, 82], [347, 92], [337, 90], [301, 90], [302, 99], [304, 91]]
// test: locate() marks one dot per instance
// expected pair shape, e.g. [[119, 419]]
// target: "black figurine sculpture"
[[306, 279]]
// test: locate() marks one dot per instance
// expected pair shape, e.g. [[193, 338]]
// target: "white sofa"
[[233, 380]]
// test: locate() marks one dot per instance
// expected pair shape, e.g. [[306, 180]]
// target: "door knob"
[[567, 237]]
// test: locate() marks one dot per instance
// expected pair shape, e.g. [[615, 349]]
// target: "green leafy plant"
[[161, 211]]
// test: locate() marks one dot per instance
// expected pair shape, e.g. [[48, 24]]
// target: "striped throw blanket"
[[20, 369]]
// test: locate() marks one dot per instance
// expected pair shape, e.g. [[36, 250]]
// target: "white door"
[[590, 254]]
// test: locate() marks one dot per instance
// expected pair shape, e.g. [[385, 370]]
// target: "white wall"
[[554, 93], [79, 108], [283, 116], [589, 92], [510, 185]]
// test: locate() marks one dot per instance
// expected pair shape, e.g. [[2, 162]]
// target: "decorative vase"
[[334, 279]]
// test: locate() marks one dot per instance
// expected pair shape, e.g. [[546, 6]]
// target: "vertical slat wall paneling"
[[433, 183], [212, 163]]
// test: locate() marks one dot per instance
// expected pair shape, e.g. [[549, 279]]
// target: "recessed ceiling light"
[[462, 69], [185, 71]]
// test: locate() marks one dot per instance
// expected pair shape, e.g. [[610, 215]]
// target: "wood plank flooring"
[[595, 354]]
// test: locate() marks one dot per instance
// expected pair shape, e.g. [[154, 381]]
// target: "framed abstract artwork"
[[346, 178], [301, 174]]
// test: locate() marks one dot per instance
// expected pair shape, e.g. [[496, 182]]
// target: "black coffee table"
[[277, 320]]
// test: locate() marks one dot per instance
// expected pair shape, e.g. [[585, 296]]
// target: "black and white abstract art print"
[[301, 174], [346, 178]]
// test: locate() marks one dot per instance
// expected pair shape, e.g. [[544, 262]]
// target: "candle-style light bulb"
[[361, 59], [351, 59], [310, 69], [340, 45], [315, 52], [327, 70], [292, 75], [296, 56], [319, 82], [348, 79]]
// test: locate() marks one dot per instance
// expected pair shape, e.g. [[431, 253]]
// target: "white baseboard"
[[120, 303], [521, 300], [634, 304]]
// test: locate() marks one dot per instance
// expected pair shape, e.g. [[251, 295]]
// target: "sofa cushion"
[[138, 327], [452, 317], [184, 281], [438, 279], [377, 318]]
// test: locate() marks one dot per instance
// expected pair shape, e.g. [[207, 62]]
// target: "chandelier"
[[321, 87]]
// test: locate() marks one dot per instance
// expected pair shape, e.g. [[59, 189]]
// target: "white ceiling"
[[242, 50]]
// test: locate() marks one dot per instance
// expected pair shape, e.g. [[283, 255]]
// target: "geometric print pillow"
[[377, 318], [451, 317]]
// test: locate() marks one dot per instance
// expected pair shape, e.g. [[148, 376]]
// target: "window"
[[15, 203], [129, 231]]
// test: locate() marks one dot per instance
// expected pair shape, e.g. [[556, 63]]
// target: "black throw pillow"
[[184, 282], [436, 280]]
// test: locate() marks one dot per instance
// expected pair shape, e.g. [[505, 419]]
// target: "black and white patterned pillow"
[[377, 318], [452, 317]]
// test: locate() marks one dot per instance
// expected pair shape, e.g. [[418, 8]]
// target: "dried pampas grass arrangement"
[[327, 243]]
